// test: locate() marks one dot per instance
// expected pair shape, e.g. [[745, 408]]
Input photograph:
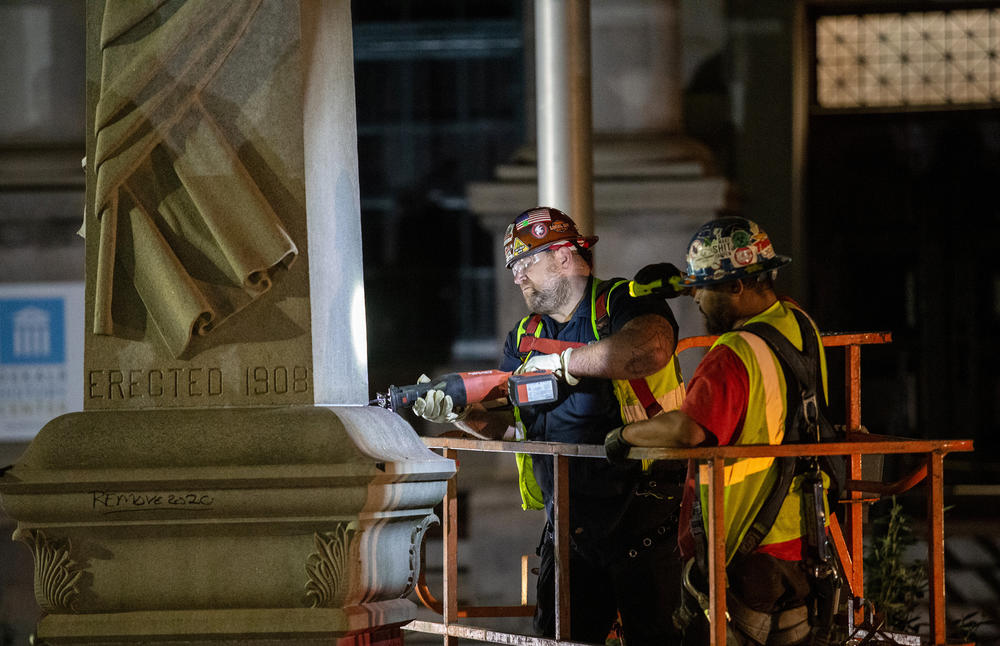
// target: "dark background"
[[900, 217]]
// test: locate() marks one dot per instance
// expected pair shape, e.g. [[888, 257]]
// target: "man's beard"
[[720, 321], [551, 298]]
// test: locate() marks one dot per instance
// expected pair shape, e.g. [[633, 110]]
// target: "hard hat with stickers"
[[727, 249], [539, 229]]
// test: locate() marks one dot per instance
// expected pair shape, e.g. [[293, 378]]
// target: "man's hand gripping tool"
[[466, 388]]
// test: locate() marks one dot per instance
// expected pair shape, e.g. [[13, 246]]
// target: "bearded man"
[[616, 365], [781, 589]]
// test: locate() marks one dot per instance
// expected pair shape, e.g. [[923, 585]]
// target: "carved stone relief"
[[186, 237], [57, 576], [327, 566], [416, 545]]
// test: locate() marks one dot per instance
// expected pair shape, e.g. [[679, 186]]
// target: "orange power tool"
[[466, 388]]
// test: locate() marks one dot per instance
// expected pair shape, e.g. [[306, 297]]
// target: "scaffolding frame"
[[848, 545]]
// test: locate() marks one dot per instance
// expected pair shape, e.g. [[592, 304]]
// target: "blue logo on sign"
[[32, 330]]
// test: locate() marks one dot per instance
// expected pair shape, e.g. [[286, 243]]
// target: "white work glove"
[[556, 363], [437, 407]]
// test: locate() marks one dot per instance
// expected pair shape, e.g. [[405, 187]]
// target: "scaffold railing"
[[848, 540]]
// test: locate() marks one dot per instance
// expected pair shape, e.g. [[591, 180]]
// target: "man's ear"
[[736, 287], [564, 256]]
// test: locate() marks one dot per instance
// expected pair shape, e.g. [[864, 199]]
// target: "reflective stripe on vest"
[[531, 493], [638, 399], [749, 480]]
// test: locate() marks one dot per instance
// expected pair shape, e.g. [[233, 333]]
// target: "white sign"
[[41, 355]]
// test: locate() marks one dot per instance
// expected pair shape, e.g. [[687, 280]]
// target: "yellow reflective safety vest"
[[638, 399], [748, 481]]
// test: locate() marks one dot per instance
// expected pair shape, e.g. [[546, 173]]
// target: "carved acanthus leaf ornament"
[[327, 566], [57, 576]]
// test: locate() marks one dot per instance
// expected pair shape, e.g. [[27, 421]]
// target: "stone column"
[[226, 482]]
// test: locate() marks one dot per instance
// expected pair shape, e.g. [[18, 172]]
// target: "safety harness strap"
[[646, 397], [802, 369], [545, 346], [531, 327], [806, 419], [801, 380], [602, 326]]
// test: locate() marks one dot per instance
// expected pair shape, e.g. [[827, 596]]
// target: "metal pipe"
[[856, 443], [717, 551], [552, 96], [560, 468], [563, 104], [935, 547], [449, 529], [581, 118], [855, 513]]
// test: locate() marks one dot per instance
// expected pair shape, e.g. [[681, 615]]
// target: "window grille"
[[913, 59]]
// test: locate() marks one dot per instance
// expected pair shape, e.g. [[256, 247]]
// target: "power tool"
[[464, 388]]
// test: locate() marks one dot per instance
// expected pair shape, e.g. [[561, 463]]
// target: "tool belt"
[[650, 514], [745, 626]]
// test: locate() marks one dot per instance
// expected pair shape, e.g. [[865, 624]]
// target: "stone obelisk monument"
[[226, 482]]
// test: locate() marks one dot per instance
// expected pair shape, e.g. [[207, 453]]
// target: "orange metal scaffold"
[[849, 548]]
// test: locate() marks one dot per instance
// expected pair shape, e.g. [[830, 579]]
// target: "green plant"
[[964, 629], [894, 586]]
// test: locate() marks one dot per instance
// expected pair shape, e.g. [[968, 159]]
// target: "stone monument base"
[[247, 525], [373, 624]]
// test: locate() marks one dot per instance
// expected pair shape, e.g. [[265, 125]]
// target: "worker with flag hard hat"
[[614, 358]]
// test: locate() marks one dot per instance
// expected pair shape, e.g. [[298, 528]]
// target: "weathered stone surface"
[[306, 519], [224, 485], [213, 127]]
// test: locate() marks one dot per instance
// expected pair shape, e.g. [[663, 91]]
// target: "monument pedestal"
[[226, 484], [215, 525]]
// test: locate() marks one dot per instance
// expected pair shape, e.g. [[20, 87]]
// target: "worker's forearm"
[[489, 424], [643, 346], [673, 429]]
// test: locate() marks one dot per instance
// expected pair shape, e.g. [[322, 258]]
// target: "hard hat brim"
[[756, 268], [584, 241]]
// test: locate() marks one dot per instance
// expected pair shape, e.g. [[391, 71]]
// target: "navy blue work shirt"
[[583, 414]]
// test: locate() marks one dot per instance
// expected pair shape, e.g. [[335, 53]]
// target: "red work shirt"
[[716, 400]]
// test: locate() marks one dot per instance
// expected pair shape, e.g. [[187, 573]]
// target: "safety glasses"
[[521, 266]]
